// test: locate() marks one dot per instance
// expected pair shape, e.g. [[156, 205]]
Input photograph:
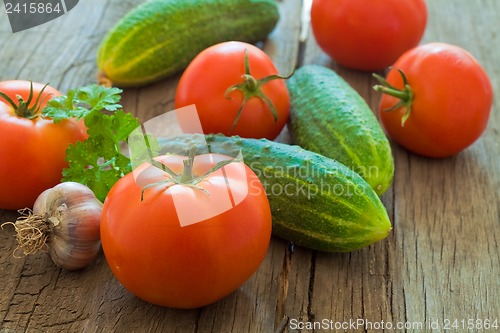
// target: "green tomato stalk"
[[187, 178], [22, 108], [252, 88], [404, 95]]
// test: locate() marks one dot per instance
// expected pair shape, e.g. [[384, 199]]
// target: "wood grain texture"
[[441, 261]]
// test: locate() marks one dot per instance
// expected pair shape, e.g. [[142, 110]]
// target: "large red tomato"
[[188, 242], [368, 34], [32, 149], [437, 100], [206, 80]]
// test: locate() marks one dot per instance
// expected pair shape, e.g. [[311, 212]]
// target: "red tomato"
[[185, 246], [368, 34], [213, 71], [32, 151], [451, 102]]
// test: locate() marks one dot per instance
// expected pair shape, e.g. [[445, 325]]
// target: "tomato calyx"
[[186, 178], [22, 108], [404, 95], [252, 87]]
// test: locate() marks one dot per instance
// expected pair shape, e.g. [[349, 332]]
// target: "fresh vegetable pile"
[[192, 221]]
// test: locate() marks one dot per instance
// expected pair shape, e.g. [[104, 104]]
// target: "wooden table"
[[440, 263]]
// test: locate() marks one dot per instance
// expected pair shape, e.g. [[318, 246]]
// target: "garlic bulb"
[[65, 222]]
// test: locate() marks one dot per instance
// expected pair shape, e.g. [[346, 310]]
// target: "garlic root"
[[32, 232]]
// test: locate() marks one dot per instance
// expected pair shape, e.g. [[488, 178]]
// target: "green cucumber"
[[330, 118], [160, 37], [316, 202]]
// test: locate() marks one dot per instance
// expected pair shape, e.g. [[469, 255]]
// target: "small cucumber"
[[316, 202], [160, 37], [330, 118]]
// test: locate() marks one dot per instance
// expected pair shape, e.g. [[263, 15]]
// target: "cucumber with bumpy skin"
[[329, 117], [160, 37], [316, 202]]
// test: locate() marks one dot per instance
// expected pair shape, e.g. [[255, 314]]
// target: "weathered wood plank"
[[441, 260], [111, 307], [450, 208], [34, 294], [61, 52]]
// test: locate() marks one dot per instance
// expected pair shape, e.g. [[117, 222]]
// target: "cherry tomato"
[[205, 83], [185, 244], [367, 35], [32, 149], [443, 106]]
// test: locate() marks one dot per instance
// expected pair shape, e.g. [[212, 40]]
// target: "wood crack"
[[283, 285], [310, 290]]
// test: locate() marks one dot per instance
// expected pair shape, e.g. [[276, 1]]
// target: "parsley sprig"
[[97, 161]]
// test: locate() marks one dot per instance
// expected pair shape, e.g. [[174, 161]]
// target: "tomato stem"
[[21, 108], [186, 178], [252, 88], [187, 173], [251, 83], [404, 95]]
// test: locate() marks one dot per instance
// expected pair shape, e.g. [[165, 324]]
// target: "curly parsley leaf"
[[97, 97], [98, 161], [79, 103]]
